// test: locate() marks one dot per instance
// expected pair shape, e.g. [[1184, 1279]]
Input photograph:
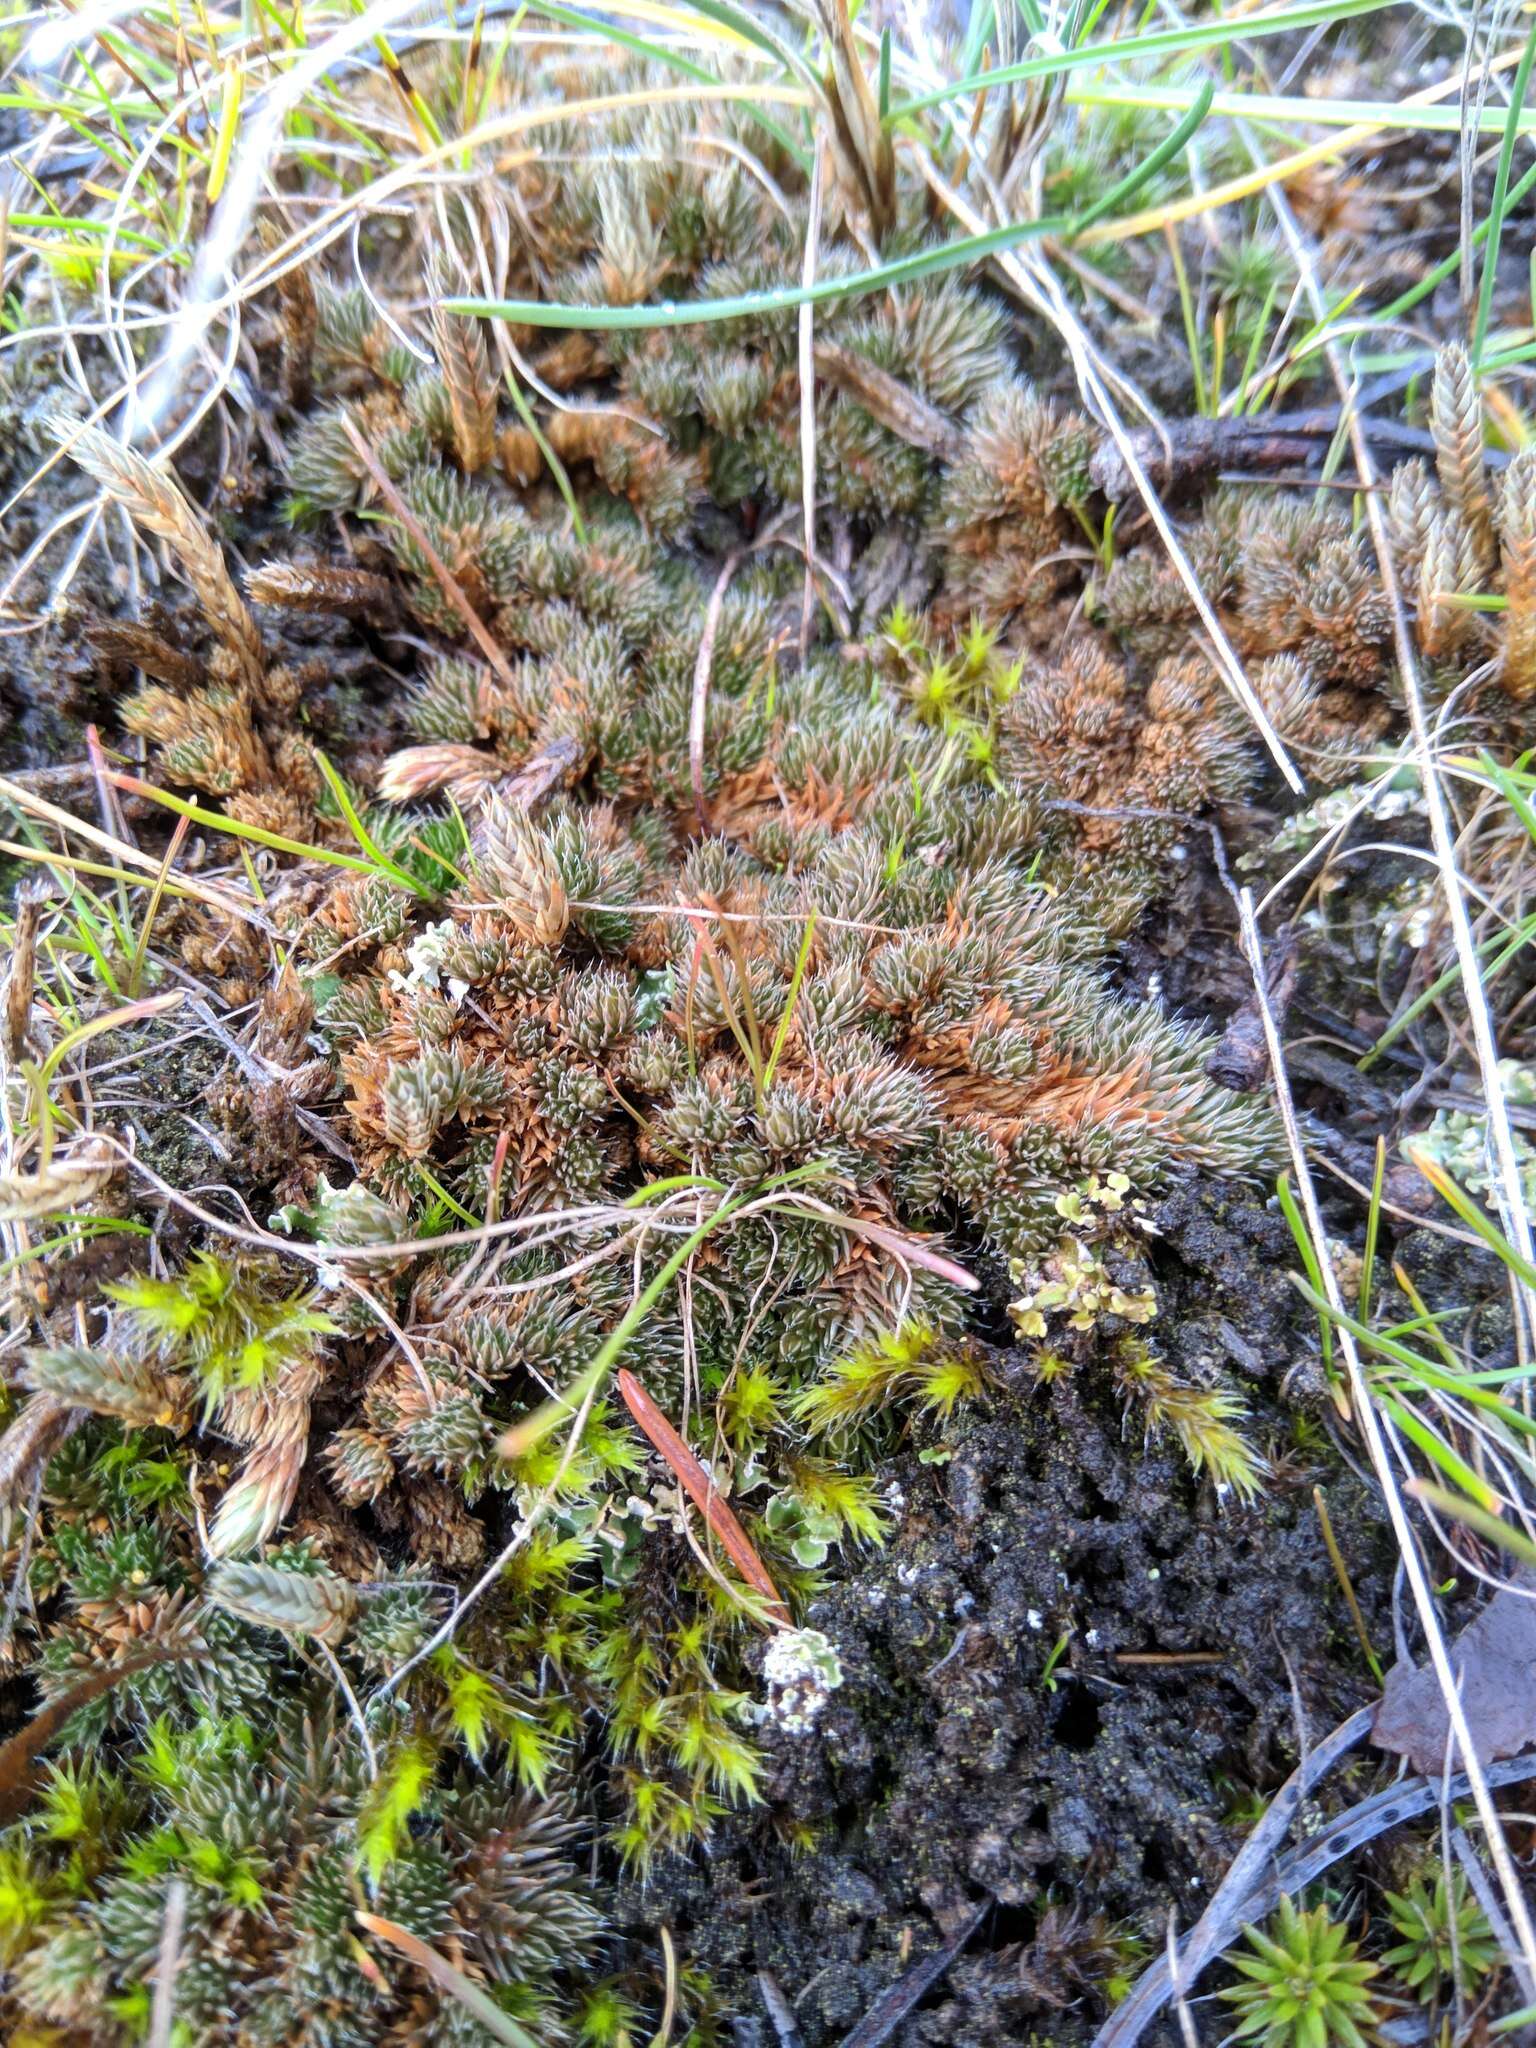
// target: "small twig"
[[21, 1755], [663, 2034], [892, 2007], [451, 587], [343, 1686], [1346, 1584], [1170, 1659], [895, 405], [780, 2013], [167, 1961], [1176, 1977]]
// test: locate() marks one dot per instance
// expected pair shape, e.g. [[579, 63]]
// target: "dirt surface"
[[951, 1768]]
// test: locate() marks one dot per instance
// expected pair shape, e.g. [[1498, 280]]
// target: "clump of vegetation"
[[1445, 1946], [671, 962], [1305, 1983]]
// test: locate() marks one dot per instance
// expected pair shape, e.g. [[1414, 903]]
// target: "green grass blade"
[[1439, 1453], [664, 53], [1494, 1527], [526, 1435], [802, 960], [756, 305], [236, 828], [1372, 1228], [1316, 1293], [1516, 943], [1165, 42], [1473, 1216], [1497, 210], [360, 832], [1126, 187], [1448, 264]]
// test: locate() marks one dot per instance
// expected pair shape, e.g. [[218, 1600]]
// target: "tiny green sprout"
[[1003, 683], [132, 2008], [153, 1856], [1058, 1651], [847, 1500], [976, 645], [1250, 269], [1445, 1940], [400, 1790], [937, 694], [160, 1761], [607, 2018], [477, 1707], [233, 1876], [749, 1406], [901, 628], [24, 1899], [1306, 1985], [979, 745], [218, 1320]]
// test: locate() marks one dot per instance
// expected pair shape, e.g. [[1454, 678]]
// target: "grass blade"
[[1159, 43], [1497, 210], [1492, 1527], [1472, 1215], [501, 2026], [360, 832], [1125, 187], [237, 828], [1317, 1294], [524, 1436], [757, 305]]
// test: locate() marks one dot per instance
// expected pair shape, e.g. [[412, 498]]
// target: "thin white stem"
[[1374, 1432]]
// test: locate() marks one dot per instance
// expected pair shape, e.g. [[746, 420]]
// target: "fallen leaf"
[[1494, 1658]]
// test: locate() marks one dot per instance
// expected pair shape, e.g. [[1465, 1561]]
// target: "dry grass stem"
[[154, 501]]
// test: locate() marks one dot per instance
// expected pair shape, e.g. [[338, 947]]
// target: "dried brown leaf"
[[1493, 1657]]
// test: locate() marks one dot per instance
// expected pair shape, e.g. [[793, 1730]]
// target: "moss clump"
[[652, 931]]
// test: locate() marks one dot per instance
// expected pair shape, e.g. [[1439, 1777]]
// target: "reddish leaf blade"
[[701, 1490]]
